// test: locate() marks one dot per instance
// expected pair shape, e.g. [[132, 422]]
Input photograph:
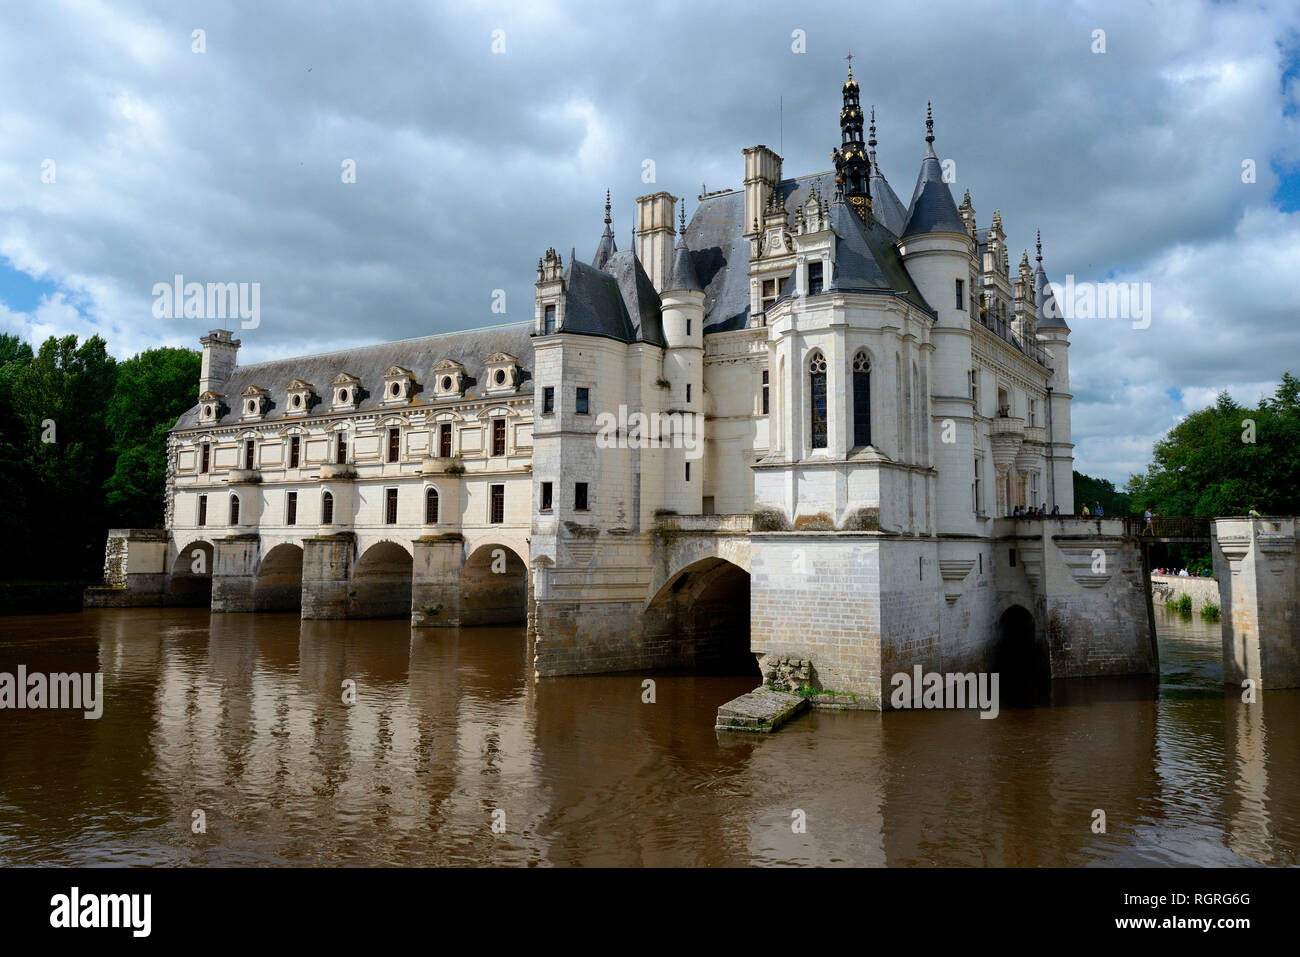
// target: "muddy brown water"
[[241, 717]]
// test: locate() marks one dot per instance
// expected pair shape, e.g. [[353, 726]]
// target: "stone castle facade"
[[792, 427]]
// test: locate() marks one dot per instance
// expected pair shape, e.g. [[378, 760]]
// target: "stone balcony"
[[244, 477], [1007, 425], [442, 465], [338, 472]]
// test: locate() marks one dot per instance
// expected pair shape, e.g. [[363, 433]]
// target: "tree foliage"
[[1089, 490], [83, 439], [1227, 459]]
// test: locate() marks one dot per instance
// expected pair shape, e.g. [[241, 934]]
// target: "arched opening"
[[278, 586], [861, 400], [190, 583], [493, 587], [817, 400], [1018, 658], [431, 506], [381, 583], [327, 508], [699, 621]]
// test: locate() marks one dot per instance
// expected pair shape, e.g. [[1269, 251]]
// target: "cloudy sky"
[[227, 165]]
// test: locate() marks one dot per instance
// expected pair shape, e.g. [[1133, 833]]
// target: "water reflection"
[[242, 717]]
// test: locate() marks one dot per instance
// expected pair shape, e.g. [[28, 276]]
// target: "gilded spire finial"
[[1038, 242], [872, 142], [682, 218], [929, 123], [607, 219], [850, 59]]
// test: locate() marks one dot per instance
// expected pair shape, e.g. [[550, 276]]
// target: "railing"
[[1168, 526], [1003, 330]]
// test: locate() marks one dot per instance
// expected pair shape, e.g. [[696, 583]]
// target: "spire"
[[1038, 243], [852, 165], [683, 275], [932, 208], [607, 247], [681, 228]]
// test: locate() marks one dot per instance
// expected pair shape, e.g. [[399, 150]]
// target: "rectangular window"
[[765, 394], [975, 388], [978, 489], [394, 444], [390, 506], [688, 392], [1033, 412], [961, 294], [548, 399], [444, 440], [707, 504], [583, 405], [688, 471], [294, 443], [248, 454], [498, 436], [815, 278], [205, 457], [203, 510], [546, 497], [1012, 554], [341, 449], [580, 496], [548, 323], [497, 509], [291, 508], [769, 294], [688, 327]]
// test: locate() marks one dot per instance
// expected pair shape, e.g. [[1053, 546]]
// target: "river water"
[[241, 717]]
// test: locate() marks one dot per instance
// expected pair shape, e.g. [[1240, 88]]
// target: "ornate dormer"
[[450, 379], [209, 407], [301, 397], [255, 400], [347, 391], [399, 385], [967, 211], [549, 316], [813, 216], [775, 237], [503, 374]]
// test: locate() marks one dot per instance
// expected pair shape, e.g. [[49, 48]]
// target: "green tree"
[[1088, 490]]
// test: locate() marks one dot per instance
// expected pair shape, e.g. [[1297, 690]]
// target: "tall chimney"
[[762, 173], [655, 233], [219, 352]]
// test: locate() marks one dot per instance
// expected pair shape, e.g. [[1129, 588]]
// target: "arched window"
[[234, 509], [431, 507], [817, 394], [327, 508], [861, 400]]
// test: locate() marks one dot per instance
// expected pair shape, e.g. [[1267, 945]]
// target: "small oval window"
[[207, 410], [501, 376], [394, 389], [252, 407], [446, 383], [297, 401], [343, 397]]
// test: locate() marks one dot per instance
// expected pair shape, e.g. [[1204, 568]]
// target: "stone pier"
[[135, 569], [1255, 561], [234, 573], [326, 575], [435, 583]]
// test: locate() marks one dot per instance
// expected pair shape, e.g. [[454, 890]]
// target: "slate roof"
[[617, 302], [683, 275], [368, 363], [932, 209], [885, 204], [866, 260], [1049, 313]]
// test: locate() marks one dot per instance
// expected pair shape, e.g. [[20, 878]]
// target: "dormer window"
[[503, 373], [399, 385], [301, 396], [450, 379], [209, 407], [254, 400], [347, 391]]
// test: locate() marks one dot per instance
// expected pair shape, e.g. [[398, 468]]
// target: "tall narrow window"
[[444, 440], [498, 436], [688, 392], [688, 327], [497, 508], [234, 509], [768, 298], [394, 444], [341, 449], [248, 453], [294, 446], [815, 278], [688, 471], [861, 400], [327, 508], [548, 322], [979, 488], [766, 386], [390, 506], [203, 510], [205, 457], [546, 497], [580, 496], [291, 508], [583, 403], [548, 399], [817, 396], [431, 507], [961, 294]]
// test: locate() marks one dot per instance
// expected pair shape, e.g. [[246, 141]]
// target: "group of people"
[[1033, 511], [1181, 573]]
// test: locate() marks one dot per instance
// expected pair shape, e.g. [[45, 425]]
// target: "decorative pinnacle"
[[1038, 241], [607, 220], [850, 59], [872, 142], [682, 217], [929, 123]]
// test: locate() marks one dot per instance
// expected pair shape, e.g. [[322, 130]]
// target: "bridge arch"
[[190, 581], [278, 584], [493, 586], [699, 620], [1018, 656], [381, 582]]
